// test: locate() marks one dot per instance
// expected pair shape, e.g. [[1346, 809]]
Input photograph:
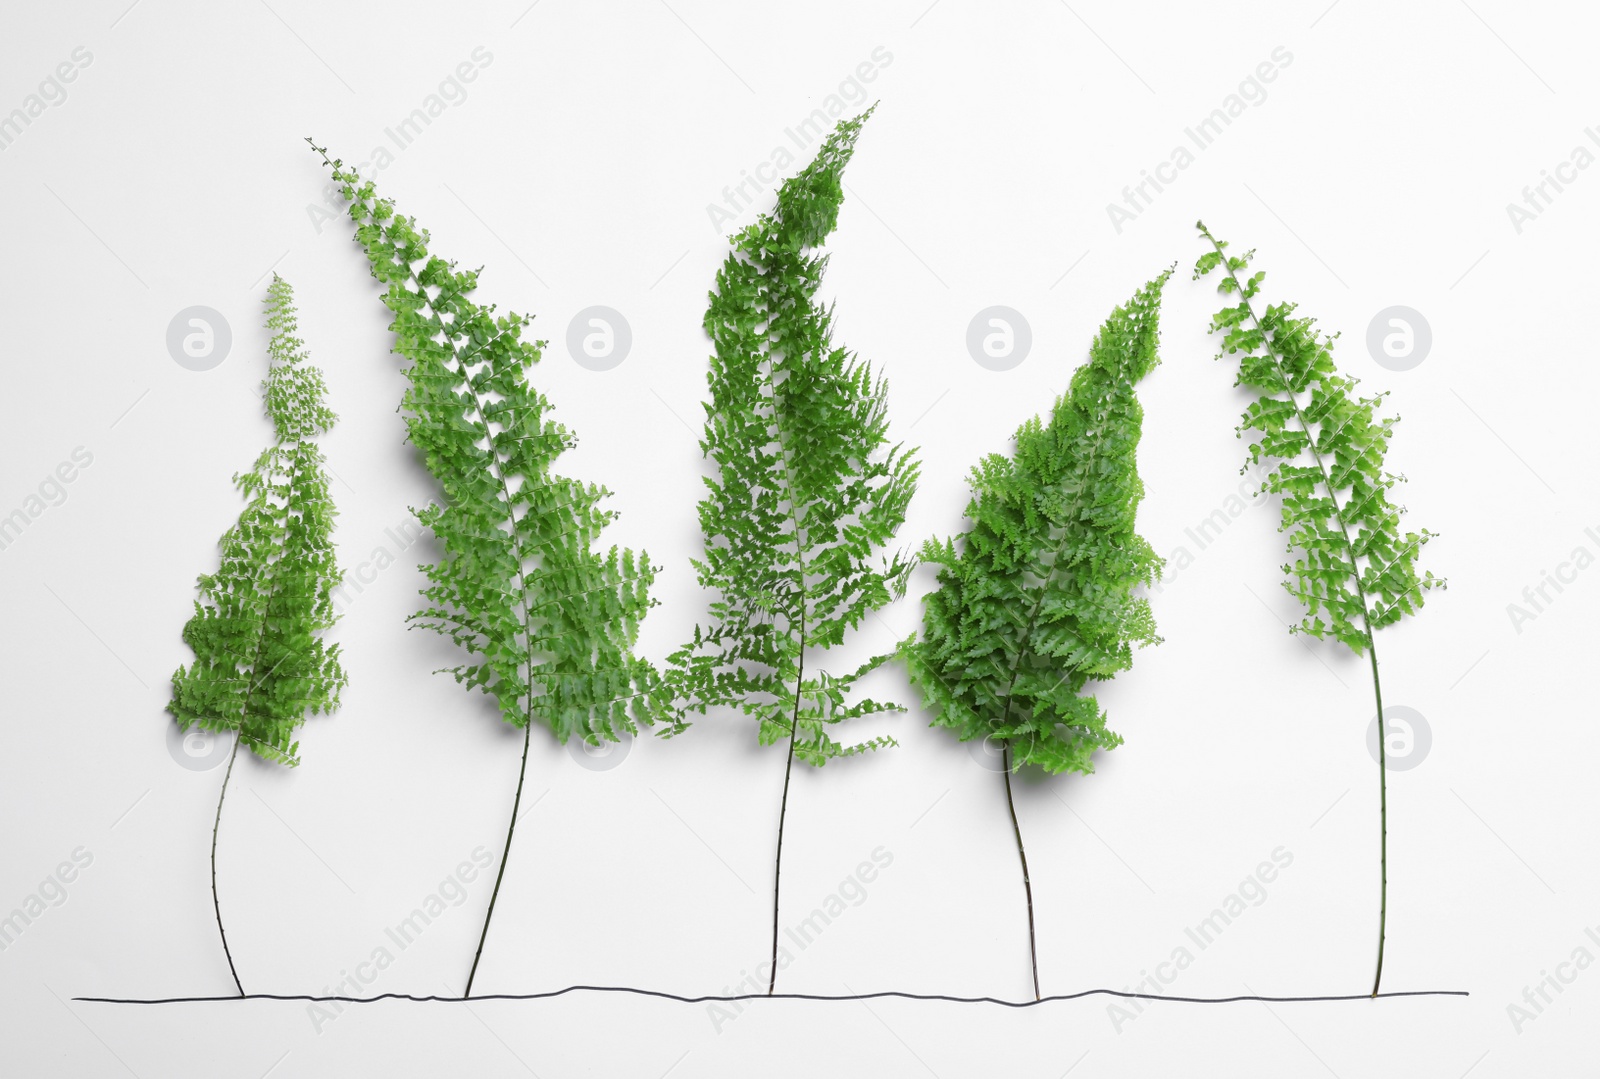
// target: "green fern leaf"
[[260, 661], [807, 491], [1352, 568], [1039, 597], [549, 621], [1040, 594]]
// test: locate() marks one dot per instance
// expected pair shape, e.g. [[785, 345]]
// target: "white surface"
[[578, 171]]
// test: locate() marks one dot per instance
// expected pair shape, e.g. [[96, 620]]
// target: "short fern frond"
[[261, 663], [1039, 595]]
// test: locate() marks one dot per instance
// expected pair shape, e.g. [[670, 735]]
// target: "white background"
[[578, 171]]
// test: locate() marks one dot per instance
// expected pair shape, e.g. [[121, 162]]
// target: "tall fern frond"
[[1353, 569], [1040, 594], [260, 661], [547, 622], [807, 490]]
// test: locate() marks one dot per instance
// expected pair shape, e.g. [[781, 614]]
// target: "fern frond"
[[1352, 568], [807, 491], [808, 488], [1039, 596], [260, 663], [552, 620]]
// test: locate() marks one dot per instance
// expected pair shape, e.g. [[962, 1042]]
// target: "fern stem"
[[1383, 818], [1027, 885], [527, 735], [1361, 593], [783, 811], [1016, 669], [216, 904]]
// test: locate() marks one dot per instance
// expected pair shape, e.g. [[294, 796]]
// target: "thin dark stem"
[[1383, 817], [516, 802], [216, 904], [1016, 669], [522, 773], [1027, 885], [1361, 594], [783, 811]]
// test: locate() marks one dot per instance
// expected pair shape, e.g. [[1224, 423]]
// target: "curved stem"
[[1361, 593], [1016, 669], [1027, 885], [1383, 819], [783, 811], [216, 825], [522, 773]]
